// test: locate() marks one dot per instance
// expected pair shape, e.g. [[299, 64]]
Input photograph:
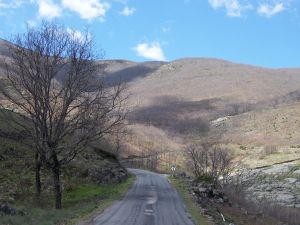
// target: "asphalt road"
[[150, 201]]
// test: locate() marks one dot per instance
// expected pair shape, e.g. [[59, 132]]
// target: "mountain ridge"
[[174, 103]]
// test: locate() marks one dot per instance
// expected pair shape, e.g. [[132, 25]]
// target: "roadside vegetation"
[[79, 202], [192, 207], [82, 183], [230, 193]]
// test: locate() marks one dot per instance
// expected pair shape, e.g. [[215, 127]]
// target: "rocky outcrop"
[[206, 191], [278, 184], [110, 174], [100, 167]]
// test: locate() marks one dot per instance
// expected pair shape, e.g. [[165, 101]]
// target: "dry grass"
[[263, 102], [170, 101]]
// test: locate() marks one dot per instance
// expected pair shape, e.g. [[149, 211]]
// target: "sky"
[[257, 32]]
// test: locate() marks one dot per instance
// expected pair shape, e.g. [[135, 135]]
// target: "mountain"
[[173, 103], [249, 108]]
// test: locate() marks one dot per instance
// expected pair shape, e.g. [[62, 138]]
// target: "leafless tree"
[[198, 158], [209, 160], [53, 79], [221, 165]]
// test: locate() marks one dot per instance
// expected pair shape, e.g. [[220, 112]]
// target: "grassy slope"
[[79, 202], [80, 194], [191, 205]]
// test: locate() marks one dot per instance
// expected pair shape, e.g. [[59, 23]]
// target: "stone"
[[4, 208], [291, 180], [202, 190], [285, 198], [269, 188], [220, 200], [297, 172]]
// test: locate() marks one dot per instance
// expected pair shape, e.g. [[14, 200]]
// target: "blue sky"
[[258, 32]]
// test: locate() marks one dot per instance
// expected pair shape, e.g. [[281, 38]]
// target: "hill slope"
[[177, 102], [182, 98]]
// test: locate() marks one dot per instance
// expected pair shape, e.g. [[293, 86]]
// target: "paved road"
[[151, 201]]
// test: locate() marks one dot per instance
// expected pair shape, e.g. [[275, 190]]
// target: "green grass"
[[191, 205], [79, 202]]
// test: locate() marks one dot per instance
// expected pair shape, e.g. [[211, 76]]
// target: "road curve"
[[150, 201]]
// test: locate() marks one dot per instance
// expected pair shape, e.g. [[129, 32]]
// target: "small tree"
[[53, 79], [207, 159]]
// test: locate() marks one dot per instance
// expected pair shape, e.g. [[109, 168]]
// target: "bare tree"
[[221, 166], [53, 80], [207, 159], [198, 158]]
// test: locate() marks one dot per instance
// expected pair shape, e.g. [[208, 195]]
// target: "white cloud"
[[48, 9], [234, 8], [127, 11], [269, 10], [11, 4], [151, 51], [87, 9], [76, 35]]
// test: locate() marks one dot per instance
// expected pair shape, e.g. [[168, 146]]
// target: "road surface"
[[150, 201]]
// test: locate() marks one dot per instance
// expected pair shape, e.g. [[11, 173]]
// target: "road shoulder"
[[189, 202]]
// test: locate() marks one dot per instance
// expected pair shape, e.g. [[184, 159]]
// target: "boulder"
[[108, 174], [4, 208], [291, 180], [297, 172]]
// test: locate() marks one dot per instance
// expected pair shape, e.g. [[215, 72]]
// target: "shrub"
[[208, 160]]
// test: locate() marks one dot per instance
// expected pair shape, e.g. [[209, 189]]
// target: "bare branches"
[[54, 80], [207, 159]]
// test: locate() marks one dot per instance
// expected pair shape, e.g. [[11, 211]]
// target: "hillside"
[[93, 180], [179, 101], [176, 102]]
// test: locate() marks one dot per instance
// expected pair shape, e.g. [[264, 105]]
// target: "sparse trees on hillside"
[[53, 80]]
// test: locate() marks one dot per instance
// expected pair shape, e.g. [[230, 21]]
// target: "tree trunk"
[[57, 186], [38, 184]]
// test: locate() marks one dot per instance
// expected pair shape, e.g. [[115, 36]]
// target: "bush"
[[205, 178], [209, 161]]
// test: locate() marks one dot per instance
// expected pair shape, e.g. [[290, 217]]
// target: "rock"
[[4, 208], [297, 172], [220, 200], [108, 175], [291, 180], [277, 169], [269, 188], [285, 198], [202, 190]]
